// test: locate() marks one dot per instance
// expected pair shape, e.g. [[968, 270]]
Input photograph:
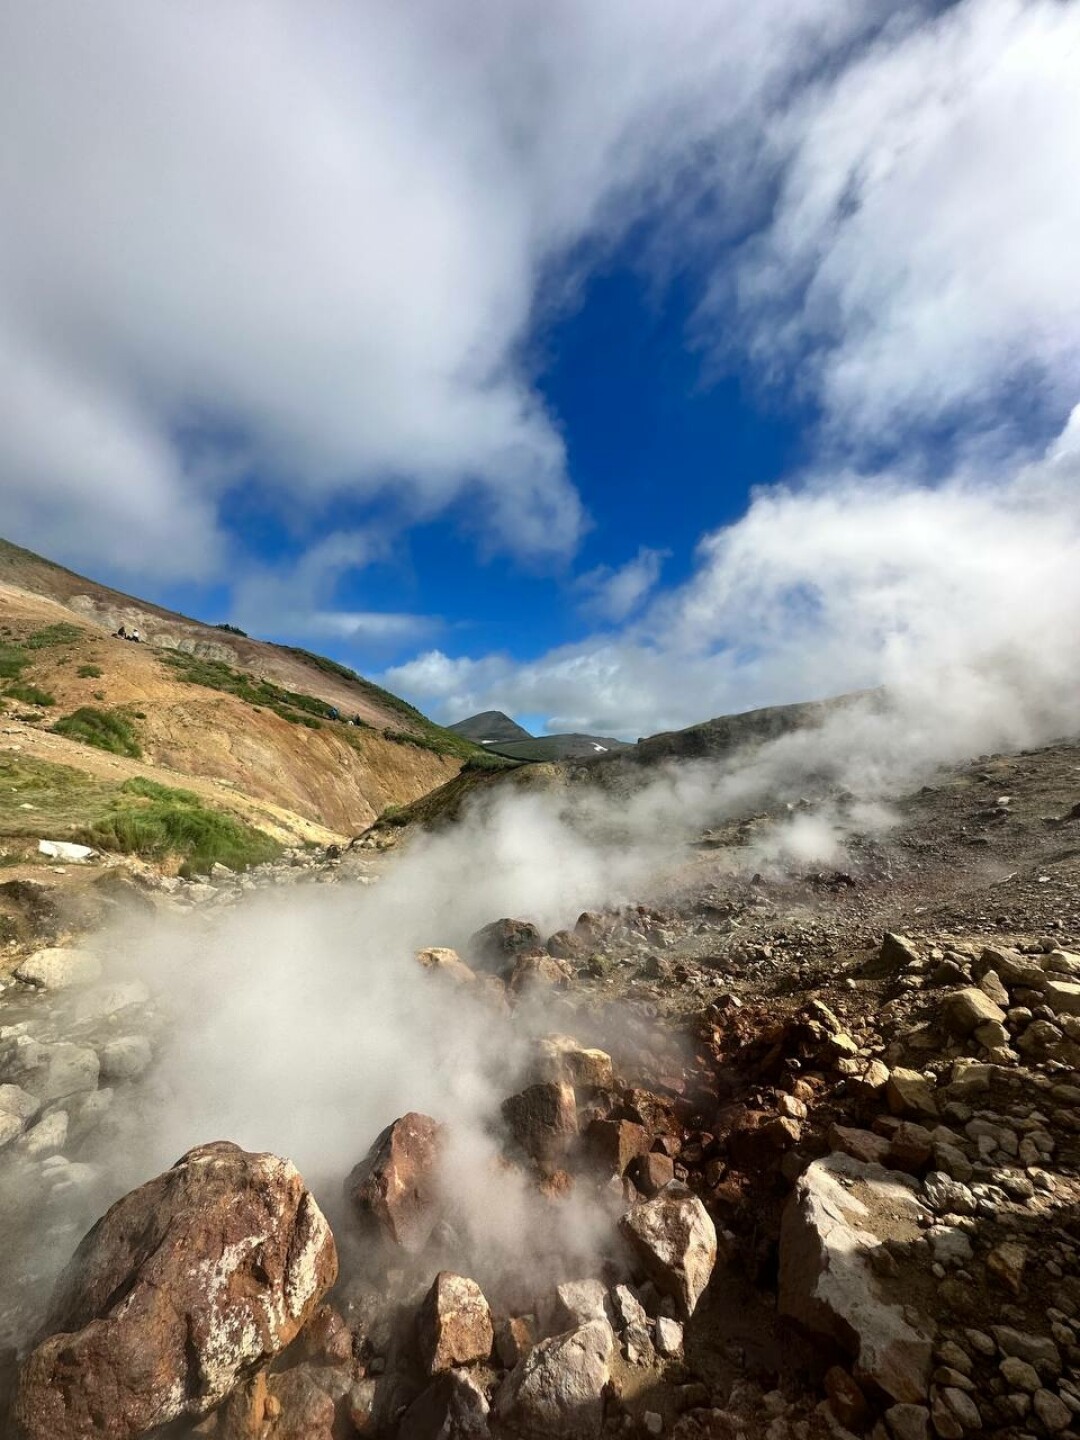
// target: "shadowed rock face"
[[183, 1286], [395, 1186]]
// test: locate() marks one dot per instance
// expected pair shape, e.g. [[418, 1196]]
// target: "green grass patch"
[[290, 705], [154, 821], [109, 730], [30, 695], [59, 634], [139, 817], [13, 660], [89, 672]]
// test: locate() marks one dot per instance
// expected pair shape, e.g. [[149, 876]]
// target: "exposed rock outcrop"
[[184, 1286]]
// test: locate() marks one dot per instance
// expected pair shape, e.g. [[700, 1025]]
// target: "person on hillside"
[[121, 634], [136, 636]]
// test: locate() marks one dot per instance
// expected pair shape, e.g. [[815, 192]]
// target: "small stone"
[[910, 1093], [1052, 1411], [1007, 1261], [908, 1422], [1019, 1375], [669, 1336]]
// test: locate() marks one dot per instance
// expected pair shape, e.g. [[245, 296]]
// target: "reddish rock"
[[327, 1339], [846, 1400], [911, 1148], [395, 1186], [299, 1408], [514, 1338], [542, 1120], [862, 1145], [454, 1324], [185, 1286], [612, 1144]]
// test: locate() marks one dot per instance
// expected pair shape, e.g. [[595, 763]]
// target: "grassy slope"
[[43, 801], [132, 700]]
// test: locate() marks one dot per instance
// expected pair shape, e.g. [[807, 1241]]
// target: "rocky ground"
[[832, 1116]]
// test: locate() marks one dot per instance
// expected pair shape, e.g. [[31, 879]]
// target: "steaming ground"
[[299, 1022]]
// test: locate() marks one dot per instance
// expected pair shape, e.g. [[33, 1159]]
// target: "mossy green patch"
[[110, 730]]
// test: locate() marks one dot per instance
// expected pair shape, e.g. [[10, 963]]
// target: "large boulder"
[[560, 1058], [498, 945], [181, 1289], [543, 1120], [674, 1240], [558, 1388], [48, 1070], [454, 1325], [56, 967], [838, 1215], [395, 1186]]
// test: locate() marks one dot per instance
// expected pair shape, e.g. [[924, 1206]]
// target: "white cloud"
[[310, 238], [614, 594], [923, 243], [842, 584]]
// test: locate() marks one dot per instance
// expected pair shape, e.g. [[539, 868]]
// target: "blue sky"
[[604, 369]]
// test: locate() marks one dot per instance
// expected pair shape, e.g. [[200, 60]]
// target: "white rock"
[[579, 1301], [55, 968], [125, 1058], [675, 1240], [827, 1281], [558, 1388], [669, 1336], [47, 1136], [65, 850]]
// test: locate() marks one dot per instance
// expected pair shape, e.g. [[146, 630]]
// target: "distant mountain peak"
[[490, 727]]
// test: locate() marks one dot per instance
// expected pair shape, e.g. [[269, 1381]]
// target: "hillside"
[[250, 727]]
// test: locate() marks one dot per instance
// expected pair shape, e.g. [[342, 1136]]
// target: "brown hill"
[[246, 723]]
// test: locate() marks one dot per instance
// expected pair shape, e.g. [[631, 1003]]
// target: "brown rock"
[[651, 1172], [910, 1093], [538, 972], [862, 1145], [454, 1325], [497, 945], [395, 1186], [300, 1408], [566, 945], [612, 1144], [514, 1338], [542, 1120], [182, 1288], [846, 1400]]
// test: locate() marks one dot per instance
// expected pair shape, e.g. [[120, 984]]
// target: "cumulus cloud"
[[918, 266], [846, 582], [305, 242]]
